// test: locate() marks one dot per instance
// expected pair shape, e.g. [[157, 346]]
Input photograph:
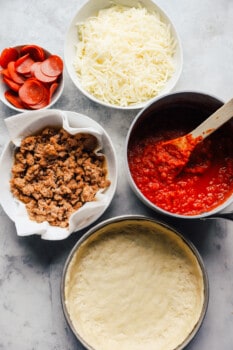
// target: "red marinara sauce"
[[204, 183]]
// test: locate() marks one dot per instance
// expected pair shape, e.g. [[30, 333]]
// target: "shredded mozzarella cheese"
[[124, 55]]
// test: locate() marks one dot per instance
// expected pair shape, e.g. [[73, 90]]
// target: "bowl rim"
[[55, 97], [179, 53], [135, 217], [148, 203]]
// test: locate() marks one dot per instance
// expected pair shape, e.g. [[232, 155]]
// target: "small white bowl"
[[55, 97], [90, 8], [29, 123]]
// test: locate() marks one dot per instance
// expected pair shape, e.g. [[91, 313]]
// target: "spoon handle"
[[217, 119]]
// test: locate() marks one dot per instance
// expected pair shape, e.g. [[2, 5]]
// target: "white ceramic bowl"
[[29, 123], [55, 97], [91, 8], [197, 107]]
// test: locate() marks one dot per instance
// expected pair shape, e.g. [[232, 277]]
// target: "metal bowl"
[[198, 106], [111, 228]]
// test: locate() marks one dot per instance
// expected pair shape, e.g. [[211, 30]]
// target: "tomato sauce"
[[171, 156], [204, 183]]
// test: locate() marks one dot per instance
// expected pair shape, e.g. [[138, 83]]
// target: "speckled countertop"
[[30, 268]]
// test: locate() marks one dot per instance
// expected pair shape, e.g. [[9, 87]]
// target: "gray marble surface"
[[30, 269]]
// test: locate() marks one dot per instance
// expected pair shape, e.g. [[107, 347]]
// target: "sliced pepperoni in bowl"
[[30, 77], [32, 92], [11, 83], [8, 54], [36, 52], [45, 100], [14, 75], [38, 73], [52, 89], [52, 66], [23, 64], [14, 99]]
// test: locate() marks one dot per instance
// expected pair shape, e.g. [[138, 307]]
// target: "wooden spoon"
[[173, 155]]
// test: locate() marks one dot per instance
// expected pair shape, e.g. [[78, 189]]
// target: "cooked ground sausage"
[[55, 173]]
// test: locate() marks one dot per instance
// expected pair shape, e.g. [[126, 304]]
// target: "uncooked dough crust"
[[134, 285]]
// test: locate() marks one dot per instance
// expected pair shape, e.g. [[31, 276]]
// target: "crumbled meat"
[[55, 173]]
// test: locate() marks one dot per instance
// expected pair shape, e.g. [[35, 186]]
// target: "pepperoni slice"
[[33, 68], [21, 59], [36, 52], [16, 77], [36, 69], [52, 66], [7, 55], [23, 64], [32, 92], [14, 99], [44, 102], [52, 89], [5, 73], [11, 84]]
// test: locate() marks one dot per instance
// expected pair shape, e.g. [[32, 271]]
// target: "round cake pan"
[[122, 281]]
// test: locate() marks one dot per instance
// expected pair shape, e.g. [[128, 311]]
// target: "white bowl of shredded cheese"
[[123, 54]]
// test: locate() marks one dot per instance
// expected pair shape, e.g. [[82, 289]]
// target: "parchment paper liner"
[[25, 124]]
